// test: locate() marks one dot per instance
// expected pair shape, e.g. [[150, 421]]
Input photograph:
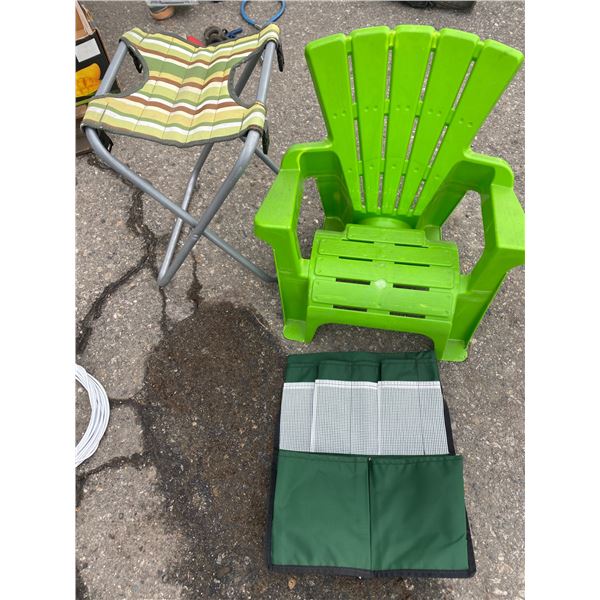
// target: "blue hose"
[[252, 22]]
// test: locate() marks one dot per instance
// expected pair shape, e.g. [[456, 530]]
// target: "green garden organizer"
[[366, 480], [401, 108]]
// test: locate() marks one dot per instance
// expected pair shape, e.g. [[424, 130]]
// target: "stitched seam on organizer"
[[378, 419], [313, 420], [342, 383], [400, 461], [410, 384], [299, 385], [326, 458], [420, 397], [443, 458]]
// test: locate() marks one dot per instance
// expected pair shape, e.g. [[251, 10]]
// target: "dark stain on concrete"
[[209, 407]]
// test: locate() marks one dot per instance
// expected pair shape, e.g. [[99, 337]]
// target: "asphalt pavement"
[[173, 505]]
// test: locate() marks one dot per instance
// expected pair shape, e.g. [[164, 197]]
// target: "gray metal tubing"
[[217, 241], [113, 67], [195, 173], [267, 160], [245, 75], [261, 95], [146, 187], [165, 278], [184, 204], [141, 183], [265, 74], [231, 179]]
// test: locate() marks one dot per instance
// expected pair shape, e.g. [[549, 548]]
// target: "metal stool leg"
[[198, 230], [267, 160], [184, 204], [175, 208]]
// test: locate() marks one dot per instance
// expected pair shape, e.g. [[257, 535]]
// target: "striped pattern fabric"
[[186, 99], [367, 404]]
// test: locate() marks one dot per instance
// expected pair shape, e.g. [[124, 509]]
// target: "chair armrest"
[[503, 223], [276, 221], [502, 215], [504, 233]]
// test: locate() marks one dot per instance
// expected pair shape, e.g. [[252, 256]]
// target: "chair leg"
[[293, 293], [471, 307], [145, 186], [452, 351], [220, 243], [184, 204], [267, 161], [169, 268]]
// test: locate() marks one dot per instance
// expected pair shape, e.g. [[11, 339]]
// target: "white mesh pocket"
[[345, 417], [332, 417], [412, 418], [364, 424], [296, 416]]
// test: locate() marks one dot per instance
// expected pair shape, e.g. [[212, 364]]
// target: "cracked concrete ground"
[[174, 502]]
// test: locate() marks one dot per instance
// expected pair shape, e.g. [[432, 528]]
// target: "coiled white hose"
[[99, 418]]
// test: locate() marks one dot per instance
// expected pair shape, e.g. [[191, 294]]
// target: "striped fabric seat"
[[187, 98]]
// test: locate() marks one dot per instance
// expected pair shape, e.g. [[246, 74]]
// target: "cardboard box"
[[91, 58], [91, 62]]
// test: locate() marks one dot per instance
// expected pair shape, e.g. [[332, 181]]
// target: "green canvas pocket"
[[380, 515], [418, 517], [321, 511]]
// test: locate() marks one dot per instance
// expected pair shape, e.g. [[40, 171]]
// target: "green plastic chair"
[[380, 260]]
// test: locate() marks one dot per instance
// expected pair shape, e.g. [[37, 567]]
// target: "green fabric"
[[321, 514], [376, 513], [418, 518], [363, 366], [346, 506]]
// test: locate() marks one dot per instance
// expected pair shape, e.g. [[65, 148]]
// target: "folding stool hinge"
[[104, 139], [136, 60]]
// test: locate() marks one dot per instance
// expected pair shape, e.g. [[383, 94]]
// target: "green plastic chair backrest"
[[401, 106]]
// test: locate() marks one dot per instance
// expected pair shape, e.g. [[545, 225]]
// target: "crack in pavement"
[[135, 223], [138, 460], [86, 326]]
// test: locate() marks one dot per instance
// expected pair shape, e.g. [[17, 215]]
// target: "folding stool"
[[188, 98]]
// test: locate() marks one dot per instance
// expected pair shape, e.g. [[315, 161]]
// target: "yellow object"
[[87, 81]]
